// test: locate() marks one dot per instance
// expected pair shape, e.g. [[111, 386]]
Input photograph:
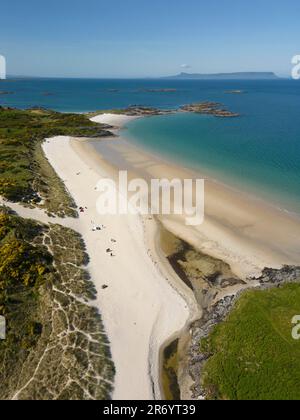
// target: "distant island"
[[227, 76]]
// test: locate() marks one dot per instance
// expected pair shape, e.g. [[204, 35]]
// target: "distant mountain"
[[227, 76]]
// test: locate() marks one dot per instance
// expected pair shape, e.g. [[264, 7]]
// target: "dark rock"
[[287, 274], [209, 108]]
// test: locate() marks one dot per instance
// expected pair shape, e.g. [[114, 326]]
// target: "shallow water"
[[258, 152]]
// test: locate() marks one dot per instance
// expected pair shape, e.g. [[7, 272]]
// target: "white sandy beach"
[[247, 233], [116, 120], [142, 306], [145, 302]]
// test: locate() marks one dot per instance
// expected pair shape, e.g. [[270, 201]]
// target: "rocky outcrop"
[[273, 277], [209, 108], [205, 108], [137, 110]]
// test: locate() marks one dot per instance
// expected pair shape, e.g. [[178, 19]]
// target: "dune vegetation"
[[25, 174], [54, 335], [55, 346]]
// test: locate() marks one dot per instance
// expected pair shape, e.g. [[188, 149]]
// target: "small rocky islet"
[[205, 108]]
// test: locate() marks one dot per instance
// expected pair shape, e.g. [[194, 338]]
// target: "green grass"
[[25, 174], [253, 354]]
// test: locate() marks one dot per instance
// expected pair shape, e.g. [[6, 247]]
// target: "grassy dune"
[[55, 346], [25, 174]]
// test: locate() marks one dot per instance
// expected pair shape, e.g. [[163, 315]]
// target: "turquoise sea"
[[258, 152]]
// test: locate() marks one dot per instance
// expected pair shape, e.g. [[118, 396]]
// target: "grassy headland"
[[25, 174], [252, 353]]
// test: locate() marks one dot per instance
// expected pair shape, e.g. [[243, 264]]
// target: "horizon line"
[[12, 76]]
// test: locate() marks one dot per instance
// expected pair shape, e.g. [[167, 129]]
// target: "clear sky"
[[137, 38]]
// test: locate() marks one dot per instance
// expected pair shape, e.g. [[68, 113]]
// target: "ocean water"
[[258, 152], [237, 153]]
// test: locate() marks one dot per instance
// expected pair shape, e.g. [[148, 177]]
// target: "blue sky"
[[137, 38]]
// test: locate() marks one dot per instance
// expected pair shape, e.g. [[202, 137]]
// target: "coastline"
[[140, 309], [246, 232], [236, 230]]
